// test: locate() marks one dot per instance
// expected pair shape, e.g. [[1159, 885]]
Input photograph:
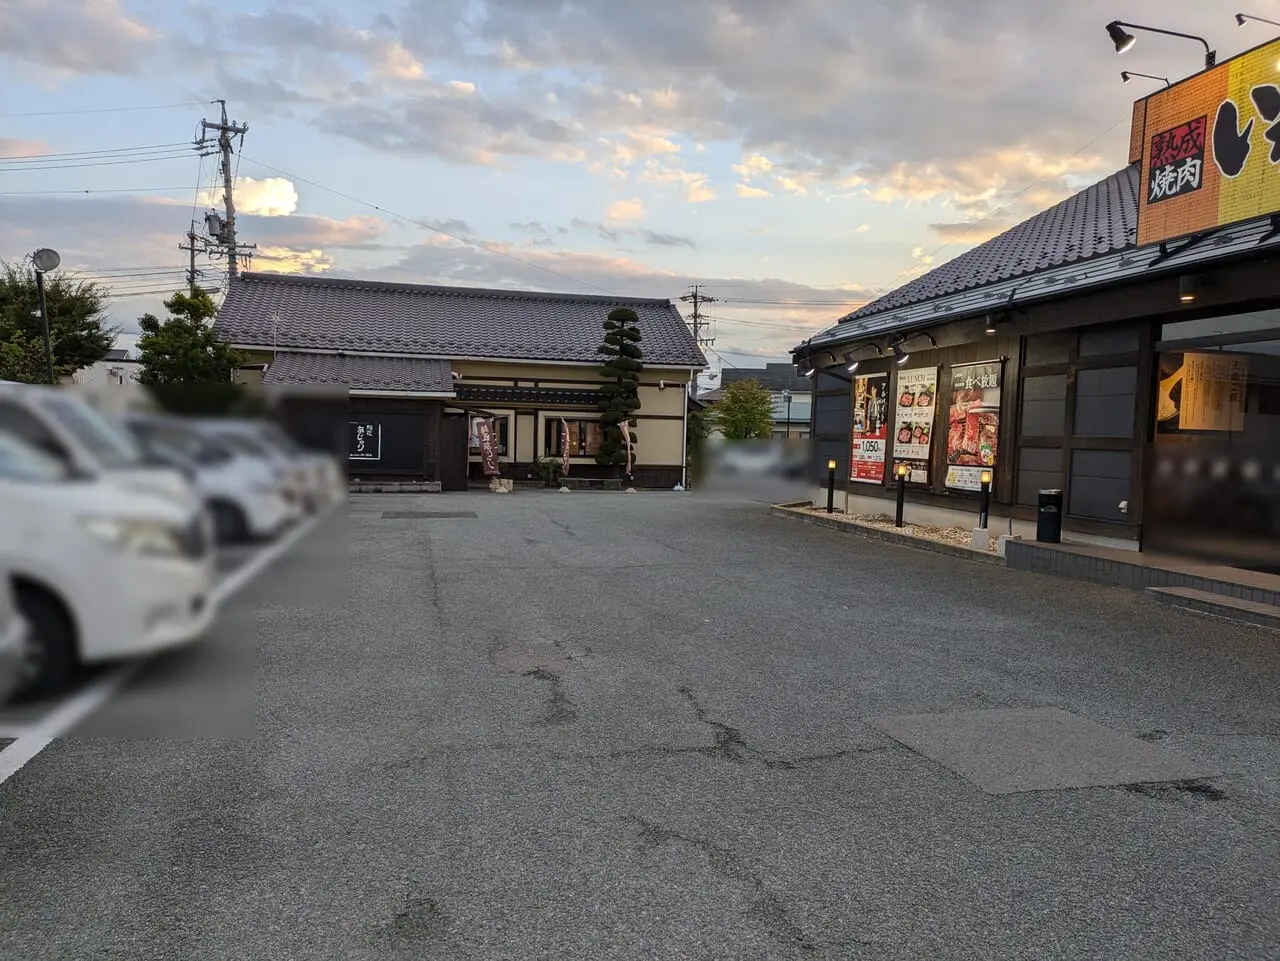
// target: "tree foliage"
[[744, 411], [187, 366], [78, 332], [621, 388]]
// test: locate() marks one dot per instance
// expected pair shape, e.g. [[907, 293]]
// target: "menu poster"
[[870, 428], [364, 440], [1202, 391], [973, 423], [913, 422]]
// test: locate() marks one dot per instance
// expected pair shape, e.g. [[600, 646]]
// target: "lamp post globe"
[[46, 259]]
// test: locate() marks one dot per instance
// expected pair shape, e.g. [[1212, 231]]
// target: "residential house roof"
[[361, 372], [1086, 241], [773, 377], [324, 313]]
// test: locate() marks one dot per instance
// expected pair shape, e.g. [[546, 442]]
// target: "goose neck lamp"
[[1243, 18], [1124, 40], [1127, 75]]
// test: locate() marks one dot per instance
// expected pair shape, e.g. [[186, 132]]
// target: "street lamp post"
[[786, 396], [45, 259]]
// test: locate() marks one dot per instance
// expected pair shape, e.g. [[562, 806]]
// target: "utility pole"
[[191, 248], [225, 236], [697, 298]]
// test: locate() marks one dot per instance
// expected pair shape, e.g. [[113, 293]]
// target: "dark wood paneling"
[[1105, 401], [1039, 468], [1100, 481], [1044, 406], [1108, 341], [1045, 349], [453, 453]]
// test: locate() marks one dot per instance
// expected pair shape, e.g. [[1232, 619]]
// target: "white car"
[[256, 439], [244, 495], [14, 638], [64, 425], [100, 572]]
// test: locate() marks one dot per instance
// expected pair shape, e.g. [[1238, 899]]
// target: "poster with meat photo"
[[870, 428], [973, 423], [913, 421]]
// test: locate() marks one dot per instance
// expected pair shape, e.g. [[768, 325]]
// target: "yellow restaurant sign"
[[1211, 148]]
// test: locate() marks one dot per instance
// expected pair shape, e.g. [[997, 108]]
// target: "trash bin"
[[1049, 518]]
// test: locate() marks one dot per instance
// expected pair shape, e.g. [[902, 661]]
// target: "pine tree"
[[621, 389], [185, 364]]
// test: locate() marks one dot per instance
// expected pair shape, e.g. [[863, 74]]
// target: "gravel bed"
[[956, 536]]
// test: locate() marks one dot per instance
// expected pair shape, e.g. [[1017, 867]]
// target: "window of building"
[[585, 437], [501, 427]]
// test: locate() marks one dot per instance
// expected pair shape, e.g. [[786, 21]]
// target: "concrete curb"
[[790, 512]]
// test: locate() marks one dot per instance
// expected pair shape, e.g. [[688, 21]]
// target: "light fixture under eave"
[[1189, 287], [991, 324], [810, 372], [1123, 40], [901, 355], [851, 361]]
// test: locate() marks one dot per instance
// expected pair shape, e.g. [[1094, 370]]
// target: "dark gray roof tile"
[[361, 372], [323, 313]]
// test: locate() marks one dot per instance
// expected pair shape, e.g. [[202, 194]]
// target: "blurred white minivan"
[[99, 571], [64, 425], [245, 497]]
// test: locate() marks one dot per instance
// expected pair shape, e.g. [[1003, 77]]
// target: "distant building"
[[792, 396]]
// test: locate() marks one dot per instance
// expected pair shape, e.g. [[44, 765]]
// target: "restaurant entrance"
[[1213, 486]]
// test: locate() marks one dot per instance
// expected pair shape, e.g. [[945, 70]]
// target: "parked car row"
[[110, 526]]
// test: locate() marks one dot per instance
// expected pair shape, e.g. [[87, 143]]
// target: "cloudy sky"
[[796, 158]]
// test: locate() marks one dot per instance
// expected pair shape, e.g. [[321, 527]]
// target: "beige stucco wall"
[[659, 431], [659, 442]]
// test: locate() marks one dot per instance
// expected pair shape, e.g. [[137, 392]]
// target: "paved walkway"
[[598, 726]]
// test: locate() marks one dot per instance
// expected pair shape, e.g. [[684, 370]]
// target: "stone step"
[[1219, 605]]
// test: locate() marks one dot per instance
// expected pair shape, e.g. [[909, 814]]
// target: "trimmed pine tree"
[[621, 388]]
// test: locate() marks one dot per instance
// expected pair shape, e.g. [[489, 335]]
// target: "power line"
[[185, 155], [470, 242], [91, 153], [92, 190], [64, 113]]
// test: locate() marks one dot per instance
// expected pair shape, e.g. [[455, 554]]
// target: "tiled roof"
[[360, 372], [323, 313], [1101, 219], [770, 377]]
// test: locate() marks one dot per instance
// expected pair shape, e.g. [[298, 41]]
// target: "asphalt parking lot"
[[660, 725]]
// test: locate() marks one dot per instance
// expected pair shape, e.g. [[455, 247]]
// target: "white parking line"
[[31, 739]]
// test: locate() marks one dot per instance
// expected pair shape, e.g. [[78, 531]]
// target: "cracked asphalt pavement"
[[608, 726]]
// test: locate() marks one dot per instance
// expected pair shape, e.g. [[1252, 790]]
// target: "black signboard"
[[365, 440]]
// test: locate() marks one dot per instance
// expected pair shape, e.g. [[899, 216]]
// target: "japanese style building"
[[413, 367]]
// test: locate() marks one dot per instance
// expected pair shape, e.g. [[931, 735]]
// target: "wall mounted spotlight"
[[1127, 75], [1124, 40]]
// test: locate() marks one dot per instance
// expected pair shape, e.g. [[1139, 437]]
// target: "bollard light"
[[831, 486], [901, 471], [984, 501]]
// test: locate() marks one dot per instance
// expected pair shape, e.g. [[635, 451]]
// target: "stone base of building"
[[853, 503]]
